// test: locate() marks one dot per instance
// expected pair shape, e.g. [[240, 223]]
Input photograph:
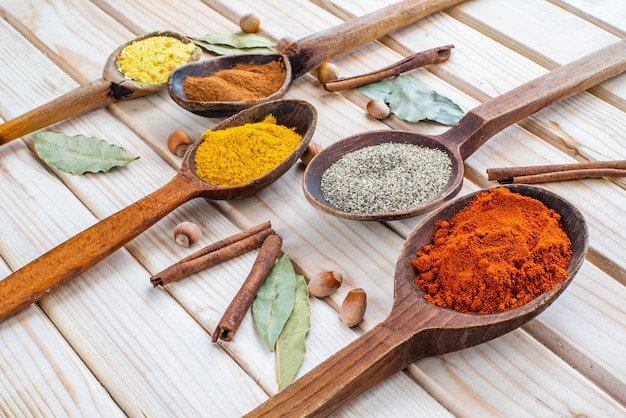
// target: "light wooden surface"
[[108, 344]]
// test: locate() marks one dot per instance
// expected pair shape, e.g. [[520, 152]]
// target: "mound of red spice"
[[498, 253]]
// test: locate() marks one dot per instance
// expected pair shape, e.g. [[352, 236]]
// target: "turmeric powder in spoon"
[[240, 154]]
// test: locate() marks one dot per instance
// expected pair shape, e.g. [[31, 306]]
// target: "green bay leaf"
[[79, 154], [229, 50], [274, 301], [377, 90], [410, 100], [449, 112], [235, 43], [291, 346]]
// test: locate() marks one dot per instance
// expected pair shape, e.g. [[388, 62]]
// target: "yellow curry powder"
[[151, 60], [239, 154]]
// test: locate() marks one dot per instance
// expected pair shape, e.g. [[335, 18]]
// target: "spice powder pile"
[[386, 178], [151, 60], [244, 82], [498, 253], [237, 155]]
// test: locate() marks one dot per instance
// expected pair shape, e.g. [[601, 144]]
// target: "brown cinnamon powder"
[[244, 82]]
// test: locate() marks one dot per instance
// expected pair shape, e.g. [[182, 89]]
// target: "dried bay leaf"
[[290, 346], [229, 50], [236, 43], [79, 154], [378, 90], [410, 100], [274, 301]]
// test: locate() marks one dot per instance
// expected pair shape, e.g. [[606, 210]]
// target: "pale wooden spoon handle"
[[496, 114], [420, 59], [79, 253], [82, 99], [309, 52], [350, 372]]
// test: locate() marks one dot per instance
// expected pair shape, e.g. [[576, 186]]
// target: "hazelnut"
[[250, 22], [324, 283], [353, 307], [187, 234], [285, 42], [312, 150], [377, 109], [327, 71], [178, 142]]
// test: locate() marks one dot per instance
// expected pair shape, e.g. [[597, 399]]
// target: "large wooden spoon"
[[77, 254], [111, 88], [415, 328], [474, 129], [304, 54]]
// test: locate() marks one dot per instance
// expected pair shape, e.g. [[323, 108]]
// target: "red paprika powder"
[[498, 253]]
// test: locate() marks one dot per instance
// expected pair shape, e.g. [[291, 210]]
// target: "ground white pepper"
[[386, 178]]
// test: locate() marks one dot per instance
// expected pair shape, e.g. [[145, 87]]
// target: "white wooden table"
[[109, 344]]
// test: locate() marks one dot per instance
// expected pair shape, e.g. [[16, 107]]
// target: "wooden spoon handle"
[[347, 374], [309, 52], [420, 59], [82, 99], [79, 253], [491, 117]]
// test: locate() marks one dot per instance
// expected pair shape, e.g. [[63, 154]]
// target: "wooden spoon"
[[77, 254], [415, 328], [305, 54], [474, 129], [111, 88]]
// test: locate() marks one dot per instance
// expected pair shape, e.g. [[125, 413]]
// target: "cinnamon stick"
[[234, 314], [506, 174], [569, 175], [420, 59], [213, 254]]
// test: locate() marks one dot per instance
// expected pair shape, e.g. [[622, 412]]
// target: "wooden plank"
[[41, 374], [607, 14], [585, 328], [570, 36], [515, 371]]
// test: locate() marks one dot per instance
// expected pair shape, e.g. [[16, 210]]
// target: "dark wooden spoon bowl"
[[304, 54], [207, 68], [415, 328], [112, 87], [79, 253], [473, 130]]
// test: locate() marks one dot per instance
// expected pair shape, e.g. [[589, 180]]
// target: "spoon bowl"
[[111, 88], [296, 114], [305, 54], [473, 130], [415, 328], [312, 180], [112, 73], [209, 67], [63, 263]]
